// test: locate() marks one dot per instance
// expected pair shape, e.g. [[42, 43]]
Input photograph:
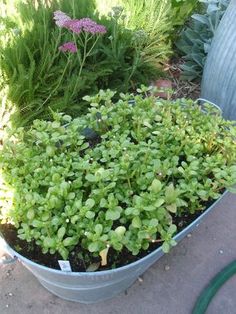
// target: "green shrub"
[[39, 76], [181, 10], [137, 44], [31, 64], [113, 179], [153, 17], [195, 40], [157, 18]]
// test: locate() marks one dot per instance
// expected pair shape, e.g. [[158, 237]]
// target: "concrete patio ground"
[[170, 286]]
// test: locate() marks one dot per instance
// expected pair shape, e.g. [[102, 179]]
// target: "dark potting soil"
[[80, 259]]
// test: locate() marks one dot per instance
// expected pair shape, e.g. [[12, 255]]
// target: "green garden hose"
[[209, 292]]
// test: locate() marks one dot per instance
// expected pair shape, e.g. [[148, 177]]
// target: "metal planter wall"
[[91, 287], [219, 77]]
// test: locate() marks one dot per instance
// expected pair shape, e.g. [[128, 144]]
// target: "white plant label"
[[65, 265]]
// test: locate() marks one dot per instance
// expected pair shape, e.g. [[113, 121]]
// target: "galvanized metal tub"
[[92, 287], [219, 76]]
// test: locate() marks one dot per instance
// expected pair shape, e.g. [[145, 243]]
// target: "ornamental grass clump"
[[118, 177]]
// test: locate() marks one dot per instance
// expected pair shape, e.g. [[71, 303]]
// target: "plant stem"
[[85, 55], [73, 8], [135, 63], [129, 183], [114, 38], [61, 78], [81, 61], [78, 54], [96, 40], [156, 241]]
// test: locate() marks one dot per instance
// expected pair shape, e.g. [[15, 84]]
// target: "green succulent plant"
[[195, 40], [117, 176]]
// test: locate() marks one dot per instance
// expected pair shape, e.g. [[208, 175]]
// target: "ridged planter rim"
[[7, 248]]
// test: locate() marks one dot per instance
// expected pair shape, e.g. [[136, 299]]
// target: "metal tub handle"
[[201, 102]]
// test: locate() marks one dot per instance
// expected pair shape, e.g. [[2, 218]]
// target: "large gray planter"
[[219, 77], [93, 287]]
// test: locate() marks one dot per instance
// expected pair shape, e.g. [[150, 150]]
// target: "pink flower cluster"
[[86, 25], [77, 26], [60, 18], [70, 46]]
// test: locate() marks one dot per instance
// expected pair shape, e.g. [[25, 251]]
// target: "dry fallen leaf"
[[103, 255]]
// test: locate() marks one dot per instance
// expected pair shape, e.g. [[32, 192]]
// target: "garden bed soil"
[[80, 259], [181, 88]]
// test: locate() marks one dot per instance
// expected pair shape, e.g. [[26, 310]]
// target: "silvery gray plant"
[[195, 40]]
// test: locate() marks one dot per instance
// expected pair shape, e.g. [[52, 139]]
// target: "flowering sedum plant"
[[118, 176], [69, 46], [77, 26], [83, 30]]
